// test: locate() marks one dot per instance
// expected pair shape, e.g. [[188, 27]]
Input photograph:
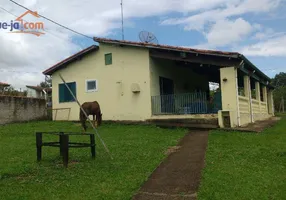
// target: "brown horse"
[[90, 108]]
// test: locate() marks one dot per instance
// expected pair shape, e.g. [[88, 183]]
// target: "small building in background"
[[3, 86], [40, 92]]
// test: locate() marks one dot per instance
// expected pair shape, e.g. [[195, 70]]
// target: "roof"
[[167, 47], [224, 54], [38, 88], [190, 50], [4, 84], [70, 59]]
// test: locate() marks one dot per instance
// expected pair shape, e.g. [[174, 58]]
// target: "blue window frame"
[[64, 93]]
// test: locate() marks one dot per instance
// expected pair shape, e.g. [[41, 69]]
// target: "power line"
[[52, 21], [15, 71], [7, 11]]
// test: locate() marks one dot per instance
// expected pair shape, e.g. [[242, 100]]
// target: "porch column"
[[229, 94], [247, 92], [270, 102], [264, 93], [257, 92]]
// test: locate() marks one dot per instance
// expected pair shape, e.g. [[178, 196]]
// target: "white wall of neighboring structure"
[[34, 93]]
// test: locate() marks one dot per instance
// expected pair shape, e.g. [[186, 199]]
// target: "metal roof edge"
[[168, 47], [256, 69]]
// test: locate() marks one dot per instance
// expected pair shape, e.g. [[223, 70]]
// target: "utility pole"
[[122, 19]]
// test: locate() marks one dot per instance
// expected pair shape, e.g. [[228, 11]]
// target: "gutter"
[[257, 71], [254, 67]]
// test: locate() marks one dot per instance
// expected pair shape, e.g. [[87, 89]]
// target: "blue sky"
[[254, 28], [176, 35]]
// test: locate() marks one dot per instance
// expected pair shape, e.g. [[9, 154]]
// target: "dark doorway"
[[167, 97]]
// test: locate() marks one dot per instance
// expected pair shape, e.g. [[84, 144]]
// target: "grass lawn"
[[137, 151], [245, 165]]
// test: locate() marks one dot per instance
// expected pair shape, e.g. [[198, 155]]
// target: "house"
[[39, 92], [134, 81], [3, 86]]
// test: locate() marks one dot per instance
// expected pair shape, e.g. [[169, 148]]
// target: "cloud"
[[22, 52], [270, 47], [230, 9], [225, 32], [221, 26], [28, 53]]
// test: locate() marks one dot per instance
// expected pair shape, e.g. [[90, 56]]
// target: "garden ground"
[[243, 165], [239, 165], [137, 151]]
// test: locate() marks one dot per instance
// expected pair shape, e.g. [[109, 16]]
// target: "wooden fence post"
[[39, 143]]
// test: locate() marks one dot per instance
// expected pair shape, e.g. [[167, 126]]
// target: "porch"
[[181, 93], [195, 103], [180, 89]]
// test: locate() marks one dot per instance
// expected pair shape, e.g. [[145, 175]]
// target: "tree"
[[279, 94], [47, 83], [10, 91], [279, 80]]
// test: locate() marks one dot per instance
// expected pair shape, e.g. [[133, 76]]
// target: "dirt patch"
[[256, 127], [20, 178], [71, 162], [178, 176], [172, 150]]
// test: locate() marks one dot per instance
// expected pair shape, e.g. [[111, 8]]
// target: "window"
[[108, 59], [91, 85], [64, 93]]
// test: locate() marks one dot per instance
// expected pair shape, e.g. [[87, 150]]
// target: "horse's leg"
[[93, 120], [83, 124], [96, 120]]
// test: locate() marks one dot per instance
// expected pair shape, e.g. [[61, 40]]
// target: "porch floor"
[[201, 121]]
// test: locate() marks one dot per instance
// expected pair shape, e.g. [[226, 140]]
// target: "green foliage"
[[10, 91], [47, 83], [137, 151], [245, 165], [279, 79], [278, 94]]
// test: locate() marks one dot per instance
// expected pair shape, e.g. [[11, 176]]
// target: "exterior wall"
[[20, 109], [129, 65], [34, 93], [229, 94], [244, 109], [245, 103], [259, 107], [179, 74]]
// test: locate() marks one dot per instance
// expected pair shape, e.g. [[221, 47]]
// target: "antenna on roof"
[[148, 37], [122, 19]]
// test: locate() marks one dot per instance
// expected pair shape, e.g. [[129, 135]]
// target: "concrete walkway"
[[178, 176]]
